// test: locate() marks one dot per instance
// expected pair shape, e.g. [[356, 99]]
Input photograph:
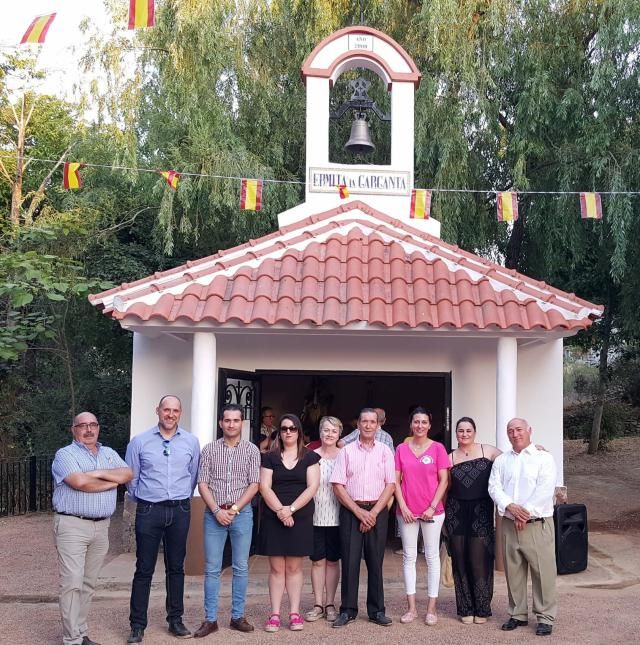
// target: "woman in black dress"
[[289, 478], [469, 523]]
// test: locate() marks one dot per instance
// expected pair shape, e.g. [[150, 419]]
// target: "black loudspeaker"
[[572, 544]]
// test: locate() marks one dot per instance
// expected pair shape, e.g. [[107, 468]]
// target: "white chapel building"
[[351, 303]]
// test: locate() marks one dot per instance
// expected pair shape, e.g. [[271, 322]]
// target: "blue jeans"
[[215, 537], [154, 524]]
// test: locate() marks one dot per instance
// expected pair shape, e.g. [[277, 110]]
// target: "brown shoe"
[[207, 627], [241, 624]]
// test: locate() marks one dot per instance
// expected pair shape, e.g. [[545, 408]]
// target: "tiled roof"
[[351, 264]]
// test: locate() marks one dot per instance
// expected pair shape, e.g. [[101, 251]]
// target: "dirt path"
[[608, 484]]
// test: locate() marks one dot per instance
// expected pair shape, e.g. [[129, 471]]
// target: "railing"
[[25, 485]]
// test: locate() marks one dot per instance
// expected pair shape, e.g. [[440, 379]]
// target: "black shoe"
[[342, 619], [380, 619], [179, 630], [87, 641], [136, 635], [544, 629], [512, 623]]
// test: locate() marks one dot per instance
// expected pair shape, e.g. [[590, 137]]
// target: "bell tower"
[[386, 188]]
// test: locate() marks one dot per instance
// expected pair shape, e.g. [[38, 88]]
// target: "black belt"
[[535, 519], [366, 505], [166, 502], [82, 517]]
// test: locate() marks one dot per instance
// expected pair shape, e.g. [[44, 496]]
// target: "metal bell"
[[359, 141]]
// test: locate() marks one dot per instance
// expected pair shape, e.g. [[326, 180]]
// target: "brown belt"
[[366, 505], [225, 507]]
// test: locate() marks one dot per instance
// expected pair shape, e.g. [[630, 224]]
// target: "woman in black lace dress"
[[469, 523]]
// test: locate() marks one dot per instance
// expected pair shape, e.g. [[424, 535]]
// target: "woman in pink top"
[[421, 481]]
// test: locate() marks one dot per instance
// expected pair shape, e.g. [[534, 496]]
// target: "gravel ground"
[[616, 620], [608, 483]]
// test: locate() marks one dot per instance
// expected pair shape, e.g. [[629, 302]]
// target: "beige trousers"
[[82, 546], [532, 549]]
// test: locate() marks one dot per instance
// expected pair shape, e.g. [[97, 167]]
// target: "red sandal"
[[273, 624], [296, 622]]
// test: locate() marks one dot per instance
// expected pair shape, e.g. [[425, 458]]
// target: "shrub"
[[619, 418]]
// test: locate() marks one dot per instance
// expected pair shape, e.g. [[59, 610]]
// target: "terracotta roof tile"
[[351, 264]]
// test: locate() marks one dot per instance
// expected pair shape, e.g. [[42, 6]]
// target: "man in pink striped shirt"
[[363, 480]]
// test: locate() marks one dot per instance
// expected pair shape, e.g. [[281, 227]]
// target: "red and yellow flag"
[[343, 191], [420, 204], [590, 206], [71, 179], [142, 13], [171, 177], [507, 207], [37, 31], [251, 194]]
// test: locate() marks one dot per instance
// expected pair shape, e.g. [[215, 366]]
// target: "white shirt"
[[527, 478], [327, 506]]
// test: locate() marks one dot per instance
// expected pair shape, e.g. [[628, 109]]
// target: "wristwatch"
[[292, 508], [235, 509]]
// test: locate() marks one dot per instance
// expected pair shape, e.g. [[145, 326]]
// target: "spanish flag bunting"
[[420, 204], [71, 179], [590, 206], [37, 31], [172, 178], [142, 13], [507, 207], [343, 191], [251, 194]]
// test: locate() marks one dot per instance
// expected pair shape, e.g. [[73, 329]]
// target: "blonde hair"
[[334, 421]]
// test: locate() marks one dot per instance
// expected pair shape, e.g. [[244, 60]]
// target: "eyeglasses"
[[291, 429], [83, 426], [166, 445]]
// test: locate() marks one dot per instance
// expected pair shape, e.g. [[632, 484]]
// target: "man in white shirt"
[[522, 485]]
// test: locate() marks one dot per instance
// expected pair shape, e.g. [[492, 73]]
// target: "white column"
[[402, 125], [506, 388], [203, 388], [317, 144]]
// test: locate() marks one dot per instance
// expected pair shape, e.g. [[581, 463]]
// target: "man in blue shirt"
[[164, 460], [86, 475]]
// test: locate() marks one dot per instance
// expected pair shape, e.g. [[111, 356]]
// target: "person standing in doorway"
[[164, 461], [363, 480], [86, 475], [228, 479], [522, 485], [381, 435]]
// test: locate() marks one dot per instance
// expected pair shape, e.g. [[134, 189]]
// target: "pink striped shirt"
[[364, 472]]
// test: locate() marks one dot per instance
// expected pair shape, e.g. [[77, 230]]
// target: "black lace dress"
[[469, 526]]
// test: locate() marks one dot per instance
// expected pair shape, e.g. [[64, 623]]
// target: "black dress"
[[275, 538], [469, 525]]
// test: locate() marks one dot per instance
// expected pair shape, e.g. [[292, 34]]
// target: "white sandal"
[[315, 613]]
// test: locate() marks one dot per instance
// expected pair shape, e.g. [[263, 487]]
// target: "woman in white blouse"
[[325, 572]]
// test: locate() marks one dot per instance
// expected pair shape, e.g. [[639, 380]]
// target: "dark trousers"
[[352, 544], [154, 524]]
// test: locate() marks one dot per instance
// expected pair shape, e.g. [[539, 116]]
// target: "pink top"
[[364, 472], [420, 476]]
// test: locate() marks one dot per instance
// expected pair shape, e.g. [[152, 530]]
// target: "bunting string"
[[297, 182]]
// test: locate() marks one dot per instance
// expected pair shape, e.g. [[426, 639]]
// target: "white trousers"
[[431, 538]]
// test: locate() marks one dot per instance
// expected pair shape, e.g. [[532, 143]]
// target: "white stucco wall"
[[160, 366], [164, 364], [540, 396]]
